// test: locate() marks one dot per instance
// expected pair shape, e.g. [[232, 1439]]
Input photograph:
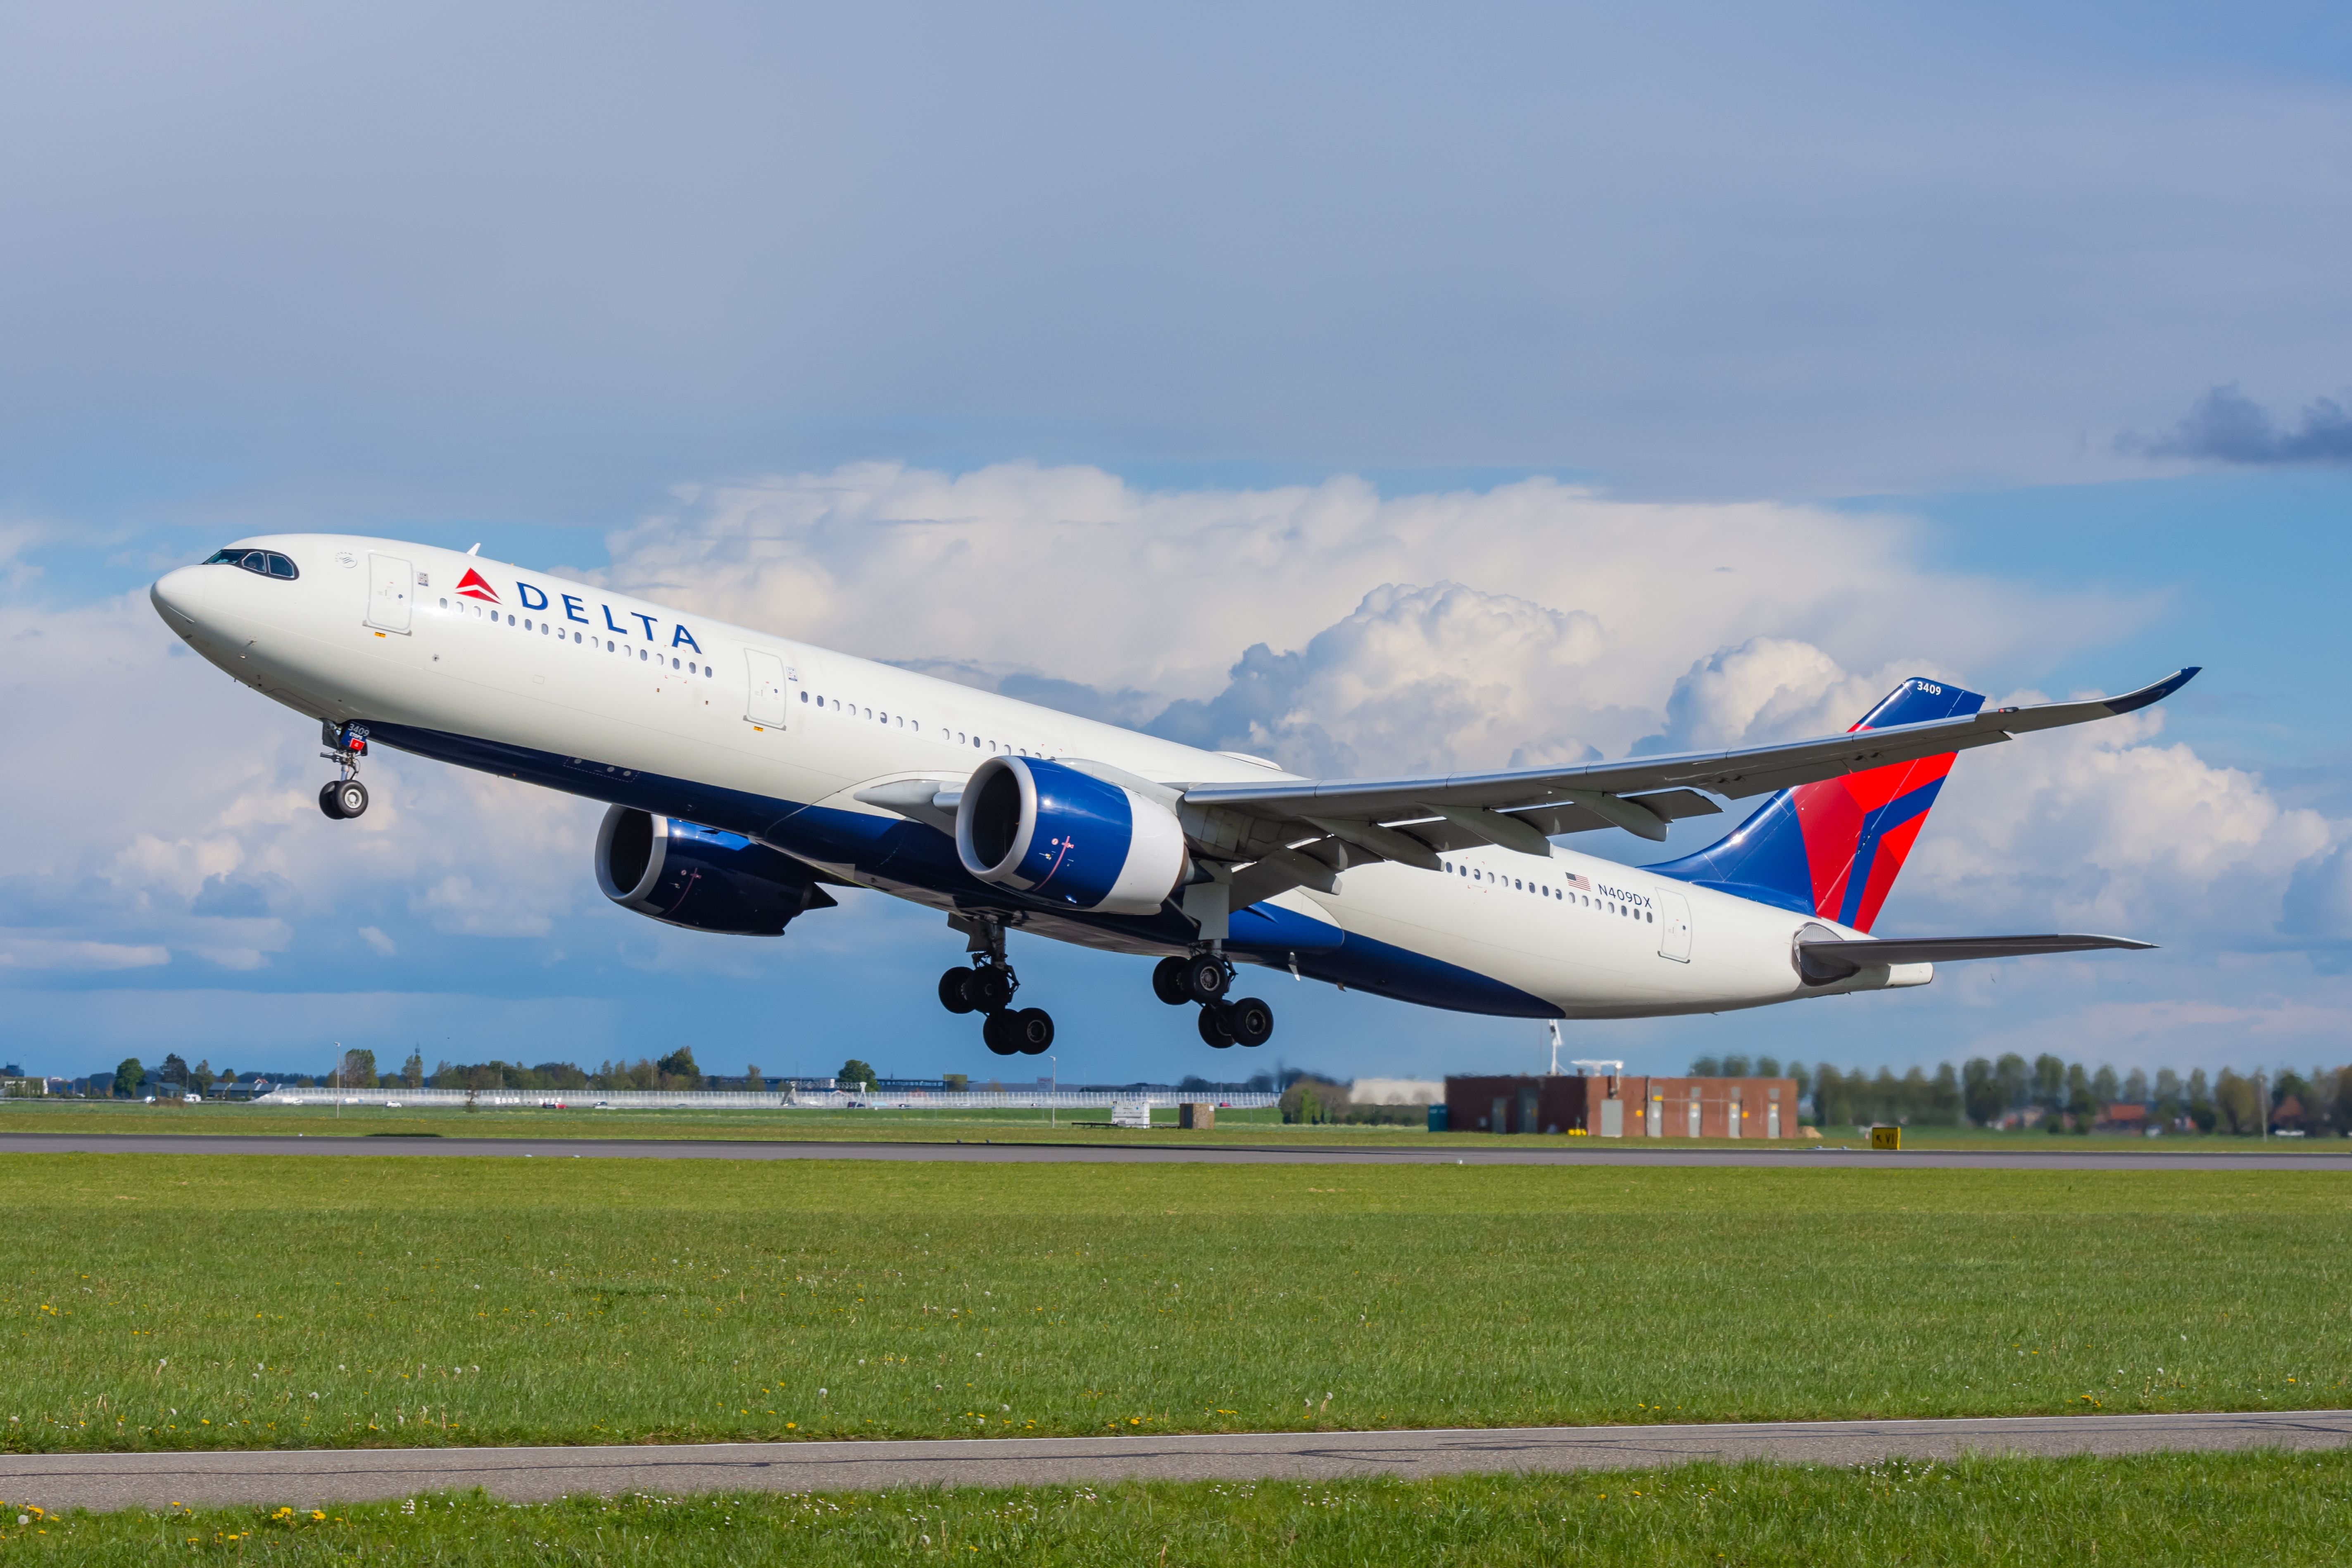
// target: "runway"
[[1784, 1156], [314, 1478]]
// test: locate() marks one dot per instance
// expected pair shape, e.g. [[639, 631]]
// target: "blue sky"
[[1916, 322]]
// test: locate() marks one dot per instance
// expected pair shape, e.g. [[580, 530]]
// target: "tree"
[[1735, 1066], [1705, 1067], [200, 1078], [2016, 1079], [855, 1072], [753, 1079], [1768, 1066], [1944, 1109], [1981, 1092], [2168, 1085], [412, 1071], [2241, 1107], [678, 1070], [2105, 1087], [128, 1077], [2136, 1087], [2049, 1082], [173, 1071], [2201, 1110], [357, 1069]]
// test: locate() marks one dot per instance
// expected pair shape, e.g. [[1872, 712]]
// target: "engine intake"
[[701, 878], [1049, 829]]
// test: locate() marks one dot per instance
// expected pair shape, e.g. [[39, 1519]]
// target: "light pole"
[[1053, 1081]]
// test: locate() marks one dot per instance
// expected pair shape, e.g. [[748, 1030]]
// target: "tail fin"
[[1832, 849]]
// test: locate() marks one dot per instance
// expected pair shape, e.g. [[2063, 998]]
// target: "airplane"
[[748, 776]]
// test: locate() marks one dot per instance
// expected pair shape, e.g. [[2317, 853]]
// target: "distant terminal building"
[[1612, 1105]]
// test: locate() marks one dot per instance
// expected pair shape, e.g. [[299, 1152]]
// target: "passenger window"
[[445, 604]]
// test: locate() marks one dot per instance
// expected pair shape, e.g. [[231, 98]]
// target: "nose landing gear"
[[346, 797], [1203, 977], [987, 988]]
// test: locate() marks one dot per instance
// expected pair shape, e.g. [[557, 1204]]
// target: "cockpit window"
[[261, 563]]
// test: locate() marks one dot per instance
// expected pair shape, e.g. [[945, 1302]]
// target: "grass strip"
[[2220, 1509], [183, 1301], [1090, 1125]]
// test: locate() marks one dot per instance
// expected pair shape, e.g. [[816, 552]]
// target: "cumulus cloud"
[[1529, 624], [1071, 573], [2225, 425], [178, 814]]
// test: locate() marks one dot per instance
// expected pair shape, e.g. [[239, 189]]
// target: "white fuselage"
[[605, 688]]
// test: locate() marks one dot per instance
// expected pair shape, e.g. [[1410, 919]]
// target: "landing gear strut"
[[1203, 977], [346, 797], [987, 988]]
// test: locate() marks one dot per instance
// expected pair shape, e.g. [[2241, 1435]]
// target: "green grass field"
[[2223, 1510], [169, 1301], [1255, 1127]]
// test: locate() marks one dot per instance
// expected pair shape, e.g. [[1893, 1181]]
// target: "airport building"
[[1617, 1105]]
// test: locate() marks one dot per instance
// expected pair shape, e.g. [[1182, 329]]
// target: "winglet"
[[2147, 695]]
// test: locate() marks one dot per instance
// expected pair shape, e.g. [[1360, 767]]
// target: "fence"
[[789, 1099]]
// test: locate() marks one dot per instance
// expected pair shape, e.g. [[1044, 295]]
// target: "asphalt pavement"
[[314, 1478], [1500, 1152]]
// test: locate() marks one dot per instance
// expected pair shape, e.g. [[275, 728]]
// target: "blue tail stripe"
[[1874, 824]]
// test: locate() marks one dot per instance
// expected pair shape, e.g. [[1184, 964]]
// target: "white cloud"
[[179, 811], [383, 945], [1529, 622], [1070, 572]]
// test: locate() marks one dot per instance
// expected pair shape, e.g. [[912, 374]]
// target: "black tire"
[[996, 1034], [991, 988], [351, 798], [1251, 1021], [1168, 982], [1032, 1031], [327, 802], [955, 991], [1205, 978], [1213, 1028]]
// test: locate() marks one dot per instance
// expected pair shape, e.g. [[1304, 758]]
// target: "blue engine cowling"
[[701, 878], [1047, 830]]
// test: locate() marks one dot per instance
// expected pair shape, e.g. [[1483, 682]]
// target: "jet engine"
[[1047, 830], [701, 878]]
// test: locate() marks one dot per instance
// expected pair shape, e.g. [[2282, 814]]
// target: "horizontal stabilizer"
[[1827, 959]]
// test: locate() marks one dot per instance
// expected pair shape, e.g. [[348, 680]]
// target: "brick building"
[[1625, 1106]]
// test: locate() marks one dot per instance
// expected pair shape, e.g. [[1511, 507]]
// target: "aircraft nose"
[[179, 597]]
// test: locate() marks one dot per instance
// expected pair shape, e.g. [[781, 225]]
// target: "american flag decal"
[[1576, 881]]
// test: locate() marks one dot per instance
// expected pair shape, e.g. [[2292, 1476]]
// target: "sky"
[[1377, 388]]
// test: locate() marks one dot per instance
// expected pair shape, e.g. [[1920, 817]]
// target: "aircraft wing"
[[1829, 960], [1413, 819]]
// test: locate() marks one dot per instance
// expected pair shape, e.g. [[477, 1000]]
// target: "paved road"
[[317, 1476], [1502, 1152]]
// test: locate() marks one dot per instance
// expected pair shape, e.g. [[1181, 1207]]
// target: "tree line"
[[2058, 1095]]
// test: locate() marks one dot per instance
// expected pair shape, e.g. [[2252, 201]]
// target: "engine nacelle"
[[701, 878], [1047, 830]]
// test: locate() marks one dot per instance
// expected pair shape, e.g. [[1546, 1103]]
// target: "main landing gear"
[[1203, 977], [987, 988], [346, 797]]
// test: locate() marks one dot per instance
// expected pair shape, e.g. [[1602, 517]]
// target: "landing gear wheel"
[[991, 988], [350, 797], [955, 991], [1168, 982], [1250, 1021], [327, 802], [1206, 978], [1032, 1031], [996, 1032], [1214, 1029]]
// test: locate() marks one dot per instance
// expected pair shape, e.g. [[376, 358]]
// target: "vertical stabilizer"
[[1832, 849]]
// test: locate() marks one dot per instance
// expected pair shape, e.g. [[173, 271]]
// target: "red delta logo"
[[472, 586]]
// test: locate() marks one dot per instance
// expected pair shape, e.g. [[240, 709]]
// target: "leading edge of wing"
[[1735, 774]]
